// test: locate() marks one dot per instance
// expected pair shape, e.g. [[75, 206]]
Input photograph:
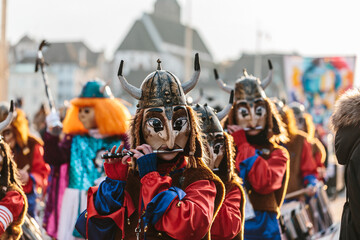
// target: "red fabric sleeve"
[[118, 216], [265, 176], [244, 149], [318, 159], [308, 164], [191, 217], [39, 170], [11, 206], [152, 184], [227, 223], [116, 171]]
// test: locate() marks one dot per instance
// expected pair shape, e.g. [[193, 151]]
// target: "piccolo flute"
[[122, 154]]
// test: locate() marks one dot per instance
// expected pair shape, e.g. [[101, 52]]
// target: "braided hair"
[[8, 173]]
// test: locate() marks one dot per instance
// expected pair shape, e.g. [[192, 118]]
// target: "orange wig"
[[111, 116]]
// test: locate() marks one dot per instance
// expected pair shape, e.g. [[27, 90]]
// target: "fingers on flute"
[[137, 154], [125, 160]]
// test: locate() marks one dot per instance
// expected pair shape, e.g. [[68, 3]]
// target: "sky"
[[228, 27]]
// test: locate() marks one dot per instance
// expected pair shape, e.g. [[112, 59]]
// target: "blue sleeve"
[[110, 196], [147, 164], [310, 180], [246, 165], [97, 228], [158, 205], [108, 199]]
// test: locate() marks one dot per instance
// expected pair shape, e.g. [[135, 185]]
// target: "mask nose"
[[169, 136], [253, 119]]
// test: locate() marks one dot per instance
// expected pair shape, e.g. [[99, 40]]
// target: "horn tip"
[[197, 62], [231, 97], [11, 106], [270, 64], [216, 74], [120, 68]]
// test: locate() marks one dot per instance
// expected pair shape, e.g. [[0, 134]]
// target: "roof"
[[137, 39], [70, 52], [170, 32], [25, 39]]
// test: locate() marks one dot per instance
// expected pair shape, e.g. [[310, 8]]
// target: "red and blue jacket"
[[180, 214], [262, 176]]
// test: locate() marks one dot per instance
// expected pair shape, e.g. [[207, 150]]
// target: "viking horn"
[[9, 118], [221, 83], [267, 80], [189, 85], [133, 91], [223, 113], [102, 88]]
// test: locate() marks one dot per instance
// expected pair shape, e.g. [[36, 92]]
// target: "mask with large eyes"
[[251, 117], [164, 134], [87, 117], [216, 149], [9, 136]]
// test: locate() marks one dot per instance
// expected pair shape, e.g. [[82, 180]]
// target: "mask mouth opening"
[[255, 128]]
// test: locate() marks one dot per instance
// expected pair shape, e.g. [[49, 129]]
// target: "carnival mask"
[[211, 127], [9, 136], [162, 133], [251, 116], [87, 117], [299, 111], [216, 145]]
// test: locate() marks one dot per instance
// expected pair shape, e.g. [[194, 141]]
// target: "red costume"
[[265, 175], [167, 193], [28, 154], [13, 204], [229, 222], [263, 165]]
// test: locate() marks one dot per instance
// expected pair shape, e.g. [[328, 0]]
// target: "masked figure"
[[94, 122], [256, 128], [13, 204], [303, 169], [229, 223], [168, 192], [28, 154], [305, 123]]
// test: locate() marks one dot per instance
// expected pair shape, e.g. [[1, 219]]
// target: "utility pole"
[[257, 63], [3, 56], [188, 42]]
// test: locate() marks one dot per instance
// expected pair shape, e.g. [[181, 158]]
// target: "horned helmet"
[[252, 110], [219, 144], [163, 120]]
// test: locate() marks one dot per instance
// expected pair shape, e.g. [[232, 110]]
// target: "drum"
[[31, 229], [320, 210], [295, 221]]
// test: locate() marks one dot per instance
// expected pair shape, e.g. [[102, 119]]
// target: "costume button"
[[86, 215], [168, 100], [178, 204], [167, 93]]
